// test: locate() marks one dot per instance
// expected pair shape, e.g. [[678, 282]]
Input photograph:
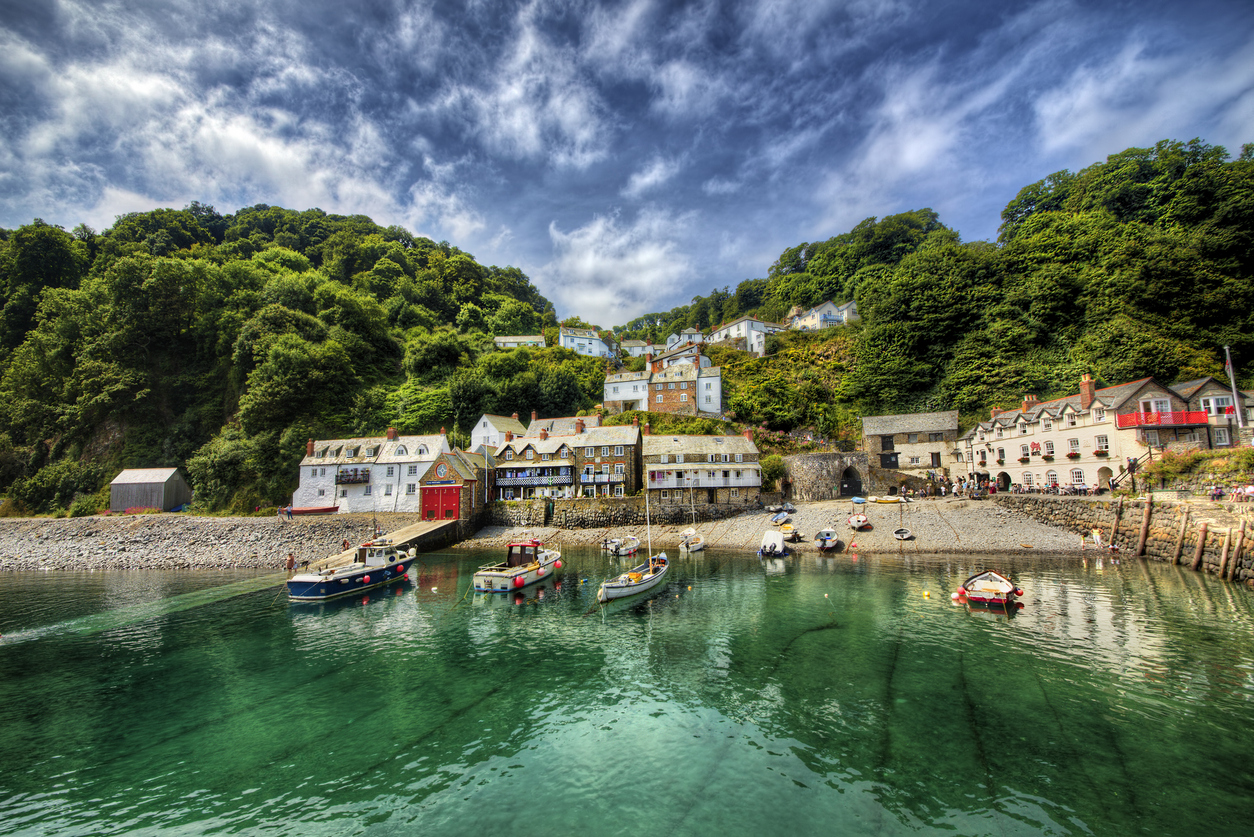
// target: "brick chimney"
[[391, 434], [442, 431], [533, 415], [1029, 401], [514, 416], [645, 431], [509, 436], [578, 425], [747, 433], [544, 434], [309, 448], [1088, 391], [635, 422]]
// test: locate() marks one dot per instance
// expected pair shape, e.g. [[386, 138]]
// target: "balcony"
[[752, 480], [1174, 419], [509, 481], [352, 476]]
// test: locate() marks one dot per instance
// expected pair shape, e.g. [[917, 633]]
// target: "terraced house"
[[700, 470], [368, 474], [577, 460], [913, 442]]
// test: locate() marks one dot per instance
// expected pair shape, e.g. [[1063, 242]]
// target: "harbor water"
[[801, 695]]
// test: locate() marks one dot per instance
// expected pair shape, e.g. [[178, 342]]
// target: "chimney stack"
[[544, 434], [747, 433], [391, 434], [509, 436], [579, 425], [635, 422], [533, 415], [1029, 401], [1088, 391], [645, 431], [309, 448], [442, 433], [514, 416]]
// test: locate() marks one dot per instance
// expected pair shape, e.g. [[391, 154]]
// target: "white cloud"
[[608, 273], [657, 172]]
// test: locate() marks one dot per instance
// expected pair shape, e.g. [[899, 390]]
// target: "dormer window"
[[422, 450], [369, 451], [1099, 414], [1046, 424], [509, 454], [401, 451]]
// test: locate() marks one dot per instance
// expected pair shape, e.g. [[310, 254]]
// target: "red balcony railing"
[[1160, 419]]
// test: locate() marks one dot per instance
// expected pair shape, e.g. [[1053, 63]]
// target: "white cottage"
[[369, 474]]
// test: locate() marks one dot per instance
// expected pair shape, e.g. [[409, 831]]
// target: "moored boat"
[[903, 534], [780, 518], [315, 509], [772, 543], [638, 579], [526, 562], [691, 541], [989, 588], [828, 541], [627, 545], [379, 563], [858, 521]]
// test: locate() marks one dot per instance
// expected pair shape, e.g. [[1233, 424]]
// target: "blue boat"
[[378, 563]]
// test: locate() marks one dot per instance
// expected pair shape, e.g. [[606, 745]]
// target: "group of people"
[[1238, 493]]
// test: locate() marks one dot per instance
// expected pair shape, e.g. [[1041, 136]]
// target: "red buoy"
[[366, 579], [518, 581], [557, 564]]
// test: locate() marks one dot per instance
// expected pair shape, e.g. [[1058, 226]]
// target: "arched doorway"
[[1003, 481], [1103, 478], [850, 483]]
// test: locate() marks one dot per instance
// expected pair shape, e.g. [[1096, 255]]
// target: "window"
[[1073, 445], [401, 451], [738, 474], [664, 458], [531, 454], [1051, 478], [369, 451], [509, 454], [390, 470], [740, 457], [657, 386], [735, 492], [1049, 448], [1102, 443], [545, 457], [936, 437], [367, 491], [590, 452], [322, 492], [1071, 419], [708, 385], [999, 433], [618, 450], [936, 457], [1046, 424], [618, 468], [708, 400], [1023, 429], [387, 490], [1099, 414], [322, 472], [565, 452], [1217, 406], [616, 390], [679, 459], [683, 396], [912, 438], [665, 494], [605, 450], [670, 385], [1221, 437], [914, 460], [1001, 453], [410, 488], [605, 467], [343, 492], [1027, 479], [1077, 476], [1024, 450], [618, 490], [683, 385]]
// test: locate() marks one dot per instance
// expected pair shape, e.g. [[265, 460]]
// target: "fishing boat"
[[858, 521], [772, 544], [526, 562], [988, 588], [315, 509], [377, 563], [640, 578], [857, 500], [828, 541], [691, 541], [621, 546], [903, 534], [780, 518]]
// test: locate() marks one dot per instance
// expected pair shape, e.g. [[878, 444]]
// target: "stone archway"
[[850, 482], [1003, 481], [1103, 478]]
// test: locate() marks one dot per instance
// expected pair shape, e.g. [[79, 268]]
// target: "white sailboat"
[[692, 541], [640, 578]]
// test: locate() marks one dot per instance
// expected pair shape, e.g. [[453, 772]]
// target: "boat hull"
[[315, 510], [858, 521], [624, 586], [502, 579], [308, 587]]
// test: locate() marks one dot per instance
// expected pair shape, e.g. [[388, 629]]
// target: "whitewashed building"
[[825, 315], [490, 430], [749, 329], [519, 340], [583, 341], [696, 470], [370, 474]]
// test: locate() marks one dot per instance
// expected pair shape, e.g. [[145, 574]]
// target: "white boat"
[[621, 546], [827, 540], [525, 563], [691, 541], [772, 544], [903, 534], [780, 518], [988, 588], [858, 521], [791, 533], [892, 498], [640, 578]]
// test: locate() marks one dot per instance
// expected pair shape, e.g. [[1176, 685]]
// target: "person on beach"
[[289, 511], [291, 562], [279, 513]]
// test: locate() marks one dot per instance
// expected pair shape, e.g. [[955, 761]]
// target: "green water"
[[798, 696]]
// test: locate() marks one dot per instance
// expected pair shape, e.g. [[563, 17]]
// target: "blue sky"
[[626, 155]]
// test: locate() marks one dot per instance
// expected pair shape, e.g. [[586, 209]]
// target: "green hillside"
[[186, 337]]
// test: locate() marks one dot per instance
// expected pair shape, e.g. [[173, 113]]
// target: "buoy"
[[518, 581], [366, 579], [825, 595], [540, 571], [1018, 592], [557, 564], [955, 597], [927, 595]]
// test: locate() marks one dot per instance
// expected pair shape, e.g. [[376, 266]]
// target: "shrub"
[[772, 470], [84, 505]]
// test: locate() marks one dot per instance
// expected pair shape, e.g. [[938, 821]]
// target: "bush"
[[772, 471], [84, 505]]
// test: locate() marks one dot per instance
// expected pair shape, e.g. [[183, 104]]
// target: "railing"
[[566, 480], [716, 482], [1183, 417], [352, 477]]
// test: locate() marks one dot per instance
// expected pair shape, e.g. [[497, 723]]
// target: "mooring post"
[[1145, 524], [1201, 546], [1223, 554], [1184, 525], [1236, 553], [1114, 530]]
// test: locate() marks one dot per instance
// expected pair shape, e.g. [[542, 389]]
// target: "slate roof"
[[581, 332], [698, 446], [503, 423], [561, 426], [144, 476], [910, 423]]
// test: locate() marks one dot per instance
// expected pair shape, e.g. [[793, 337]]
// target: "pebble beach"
[[181, 541]]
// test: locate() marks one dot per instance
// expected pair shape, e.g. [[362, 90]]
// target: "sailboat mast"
[[648, 526]]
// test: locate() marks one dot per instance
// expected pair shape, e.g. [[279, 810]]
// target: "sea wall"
[[1173, 532], [597, 513]]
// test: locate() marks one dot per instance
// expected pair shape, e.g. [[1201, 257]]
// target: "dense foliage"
[[186, 337]]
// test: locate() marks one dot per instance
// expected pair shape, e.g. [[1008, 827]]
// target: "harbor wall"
[[1172, 529], [598, 513], [817, 476]]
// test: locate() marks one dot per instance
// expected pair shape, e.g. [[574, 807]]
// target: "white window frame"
[[410, 489], [1101, 443]]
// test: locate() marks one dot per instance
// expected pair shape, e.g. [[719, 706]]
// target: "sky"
[[627, 156]]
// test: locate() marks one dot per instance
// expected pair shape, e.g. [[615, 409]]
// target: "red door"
[[440, 502]]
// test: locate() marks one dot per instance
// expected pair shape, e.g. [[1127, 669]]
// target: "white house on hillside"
[[750, 329], [583, 341], [490, 430], [367, 474]]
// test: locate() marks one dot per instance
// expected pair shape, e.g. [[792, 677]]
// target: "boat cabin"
[[523, 553], [377, 553]]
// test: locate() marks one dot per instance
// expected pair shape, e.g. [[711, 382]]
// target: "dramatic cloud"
[[626, 154]]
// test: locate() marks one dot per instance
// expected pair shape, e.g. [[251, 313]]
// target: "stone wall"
[[600, 512], [1082, 517]]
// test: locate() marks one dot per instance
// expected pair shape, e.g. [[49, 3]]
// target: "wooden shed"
[[148, 488]]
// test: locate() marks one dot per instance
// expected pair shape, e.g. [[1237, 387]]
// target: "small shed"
[[148, 488]]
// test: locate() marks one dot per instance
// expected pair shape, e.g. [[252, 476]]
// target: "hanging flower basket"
[[1100, 452], [1025, 459], [1049, 457], [1001, 462], [1073, 454]]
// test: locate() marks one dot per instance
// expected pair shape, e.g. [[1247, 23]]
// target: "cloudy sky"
[[626, 155]]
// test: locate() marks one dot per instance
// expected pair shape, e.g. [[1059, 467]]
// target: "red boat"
[[988, 588], [315, 509]]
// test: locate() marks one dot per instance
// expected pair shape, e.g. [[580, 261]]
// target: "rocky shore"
[[179, 541]]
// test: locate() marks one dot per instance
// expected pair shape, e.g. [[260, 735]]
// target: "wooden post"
[[1114, 530], [1236, 553], [1145, 524], [1201, 546], [1223, 554], [1184, 525]]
